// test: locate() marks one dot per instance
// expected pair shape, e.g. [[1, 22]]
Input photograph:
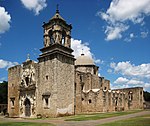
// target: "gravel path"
[[61, 122]]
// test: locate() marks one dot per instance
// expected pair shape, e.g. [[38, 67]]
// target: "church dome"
[[84, 60]]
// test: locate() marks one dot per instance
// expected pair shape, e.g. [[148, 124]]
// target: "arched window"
[[63, 37], [52, 41], [27, 81], [27, 104]]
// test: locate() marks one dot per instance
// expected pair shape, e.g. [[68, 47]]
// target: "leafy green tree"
[[3, 92], [146, 96]]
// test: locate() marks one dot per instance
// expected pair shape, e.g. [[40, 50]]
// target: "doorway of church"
[[27, 107]]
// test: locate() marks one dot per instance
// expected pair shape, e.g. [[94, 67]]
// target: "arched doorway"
[[27, 107]]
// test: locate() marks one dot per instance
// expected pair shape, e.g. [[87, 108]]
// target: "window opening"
[[90, 101], [46, 77]]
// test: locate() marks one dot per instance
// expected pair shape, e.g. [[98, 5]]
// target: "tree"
[[3, 92], [146, 96]]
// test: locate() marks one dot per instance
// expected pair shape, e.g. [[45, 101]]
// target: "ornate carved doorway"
[[27, 107]]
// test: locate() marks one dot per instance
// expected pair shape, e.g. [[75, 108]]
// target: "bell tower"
[[57, 31], [56, 69]]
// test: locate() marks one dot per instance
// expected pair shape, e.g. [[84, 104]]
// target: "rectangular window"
[[90, 101], [46, 99], [12, 102], [46, 102], [81, 78]]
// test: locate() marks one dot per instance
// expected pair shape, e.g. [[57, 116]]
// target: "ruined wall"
[[133, 97], [105, 84], [13, 90], [118, 102], [95, 83], [87, 81], [90, 96], [92, 101], [93, 94]]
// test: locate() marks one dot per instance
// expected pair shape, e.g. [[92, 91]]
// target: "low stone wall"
[[147, 105]]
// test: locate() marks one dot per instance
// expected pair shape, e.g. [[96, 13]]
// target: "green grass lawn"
[[24, 124], [137, 121], [99, 116]]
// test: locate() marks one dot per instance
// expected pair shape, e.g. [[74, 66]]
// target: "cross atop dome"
[[82, 54], [28, 57]]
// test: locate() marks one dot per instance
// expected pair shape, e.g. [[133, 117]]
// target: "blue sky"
[[115, 33]]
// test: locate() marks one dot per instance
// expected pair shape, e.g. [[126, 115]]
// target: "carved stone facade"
[[59, 85]]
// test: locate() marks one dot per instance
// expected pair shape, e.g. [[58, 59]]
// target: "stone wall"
[[65, 85], [28, 91], [90, 93], [13, 90], [93, 94], [133, 97], [47, 83], [85, 68], [56, 73]]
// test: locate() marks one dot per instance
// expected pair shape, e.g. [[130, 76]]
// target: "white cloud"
[[5, 19], [131, 35], [128, 69], [112, 65], [121, 12], [98, 61], [135, 82], [34, 5], [132, 75], [121, 80], [147, 85], [115, 32], [119, 86], [109, 70], [128, 10], [79, 47], [7, 64], [144, 34]]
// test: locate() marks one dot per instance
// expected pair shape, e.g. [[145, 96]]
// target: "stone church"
[[58, 84]]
